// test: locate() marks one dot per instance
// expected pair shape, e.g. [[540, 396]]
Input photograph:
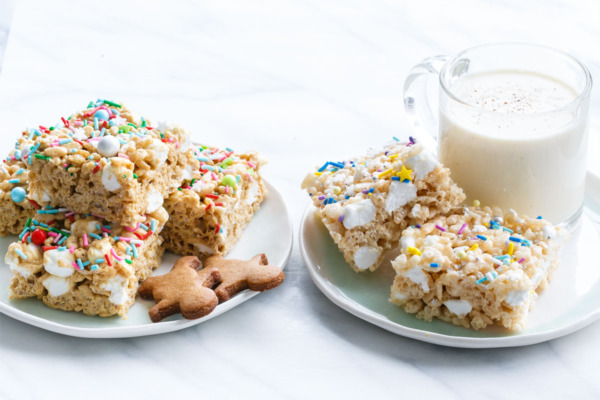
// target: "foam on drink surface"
[[512, 96], [513, 92]]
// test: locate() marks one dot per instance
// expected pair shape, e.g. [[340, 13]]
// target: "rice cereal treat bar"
[[82, 263], [215, 203], [105, 161], [476, 267], [366, 202]]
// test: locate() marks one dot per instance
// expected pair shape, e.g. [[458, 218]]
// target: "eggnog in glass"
[[513, 128]]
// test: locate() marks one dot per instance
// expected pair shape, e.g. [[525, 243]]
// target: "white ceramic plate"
[[571, 301], [269, 232]]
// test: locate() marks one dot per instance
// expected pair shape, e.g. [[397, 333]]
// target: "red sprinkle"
[[108, 259], [217, 228], [25, 237], [212, 196], [34, 203], [218, 204], [147, 235], [208, 207], [96, 168], [66, 122], [46, 248], [138, 235]]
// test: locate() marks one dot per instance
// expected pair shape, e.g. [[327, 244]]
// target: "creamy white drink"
[[515, 143]]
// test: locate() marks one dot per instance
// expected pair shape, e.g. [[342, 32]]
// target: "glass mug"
[[510, 123]]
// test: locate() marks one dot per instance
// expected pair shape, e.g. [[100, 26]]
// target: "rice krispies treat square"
[[476, 267], [84, 264], [209, 212], [105, 161], [366, 202]]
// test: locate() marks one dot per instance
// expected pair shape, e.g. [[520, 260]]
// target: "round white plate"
[[570, 302], [269, 232]]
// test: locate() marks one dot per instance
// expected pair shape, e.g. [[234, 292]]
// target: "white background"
[[303, 82]]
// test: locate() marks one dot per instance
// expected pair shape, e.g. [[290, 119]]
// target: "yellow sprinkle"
[[337, 190], [404, 173], [385, 173], [511, 248], [462, 255], [393, 156], [318, 173], [476, 203], [474, 247], [414, 251]]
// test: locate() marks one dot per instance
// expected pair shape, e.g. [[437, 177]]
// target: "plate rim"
[[152, 328], [355, 308]]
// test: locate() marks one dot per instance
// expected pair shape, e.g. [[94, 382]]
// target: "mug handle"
[[421, 115]]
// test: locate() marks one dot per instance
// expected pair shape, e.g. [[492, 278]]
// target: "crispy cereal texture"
[[476, 267], [236, 275], [182, 290]]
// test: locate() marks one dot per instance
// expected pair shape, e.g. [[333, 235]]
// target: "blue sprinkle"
[[61, 248], [539, 217], [395, 138], [323, 167], [479, 281], [61, 241], [65, 141], [153, 225], [100, 260], [144, 227], [228, 149], [515, 239], [94, 267], [95, 236], [13, 181], [395, 178], [482, 237], [20, 171], [434, 265], [20, 253], [85, 263]]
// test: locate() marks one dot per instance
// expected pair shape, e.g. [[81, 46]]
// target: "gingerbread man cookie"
[[237, 275], [182, 290]]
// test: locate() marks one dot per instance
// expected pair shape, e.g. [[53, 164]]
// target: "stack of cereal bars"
[[470, 266], [96, 198]]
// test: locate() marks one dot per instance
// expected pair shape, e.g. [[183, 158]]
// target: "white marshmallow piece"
[[108, 146], [458, 307], [155, 200], [59, 263], [56, 285], [365, 257], [422, 164], [399, 195], [358, 214]]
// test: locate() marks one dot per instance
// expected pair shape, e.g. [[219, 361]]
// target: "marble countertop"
[[301, 81]]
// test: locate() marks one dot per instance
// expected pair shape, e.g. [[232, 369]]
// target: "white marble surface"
[[301, 81]]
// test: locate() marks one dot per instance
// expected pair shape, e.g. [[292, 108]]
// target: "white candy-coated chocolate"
[[108, 146]]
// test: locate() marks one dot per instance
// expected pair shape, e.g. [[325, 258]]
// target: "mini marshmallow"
[[357, 214]]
